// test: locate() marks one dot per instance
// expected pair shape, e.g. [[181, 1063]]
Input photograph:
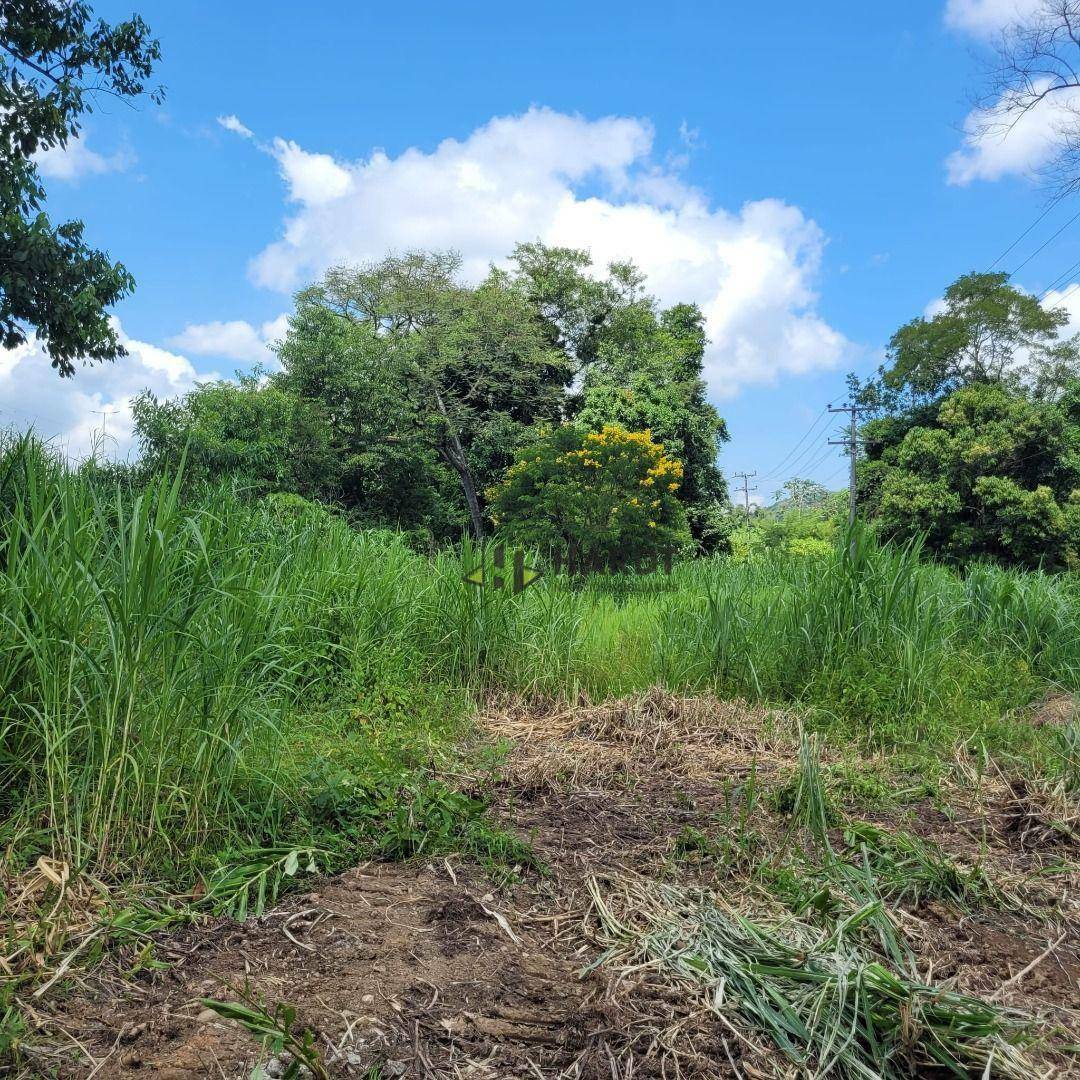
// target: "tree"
[[466, 370], [800, 494], [987, 473], [53, 63], [612, 493], [647, 376], [1037, 65], [987, 332], [639, 367]]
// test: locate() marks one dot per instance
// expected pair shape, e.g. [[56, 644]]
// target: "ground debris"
[[425, 969]]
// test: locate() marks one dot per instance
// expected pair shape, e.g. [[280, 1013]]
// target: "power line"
[[822, 457], [817, 420], [1068, 292], [1053, 203], [1016, 269], [1059, 279], [789, 466]]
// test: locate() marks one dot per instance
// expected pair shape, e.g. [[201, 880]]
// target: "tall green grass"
[[174, 669]]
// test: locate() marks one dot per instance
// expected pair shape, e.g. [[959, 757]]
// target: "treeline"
[[557, 407], [405, 394]]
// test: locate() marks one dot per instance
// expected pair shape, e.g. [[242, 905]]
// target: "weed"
[[803, 797], [248, 880], [275, 1030]]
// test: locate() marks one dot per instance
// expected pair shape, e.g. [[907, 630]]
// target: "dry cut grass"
[[559, 746]]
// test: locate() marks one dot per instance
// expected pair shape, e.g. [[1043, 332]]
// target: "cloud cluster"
[[76, 160], [987, 18], [568, 180], [994, 147], [69, 412], [996, 142], [233, 340]]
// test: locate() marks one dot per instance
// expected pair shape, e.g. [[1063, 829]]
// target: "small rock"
[[273, 1068], [206, 1016]]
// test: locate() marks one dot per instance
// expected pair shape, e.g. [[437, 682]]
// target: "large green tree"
[[972, 441], [55, 61], [467, 370], [984, 473], [987, 331]]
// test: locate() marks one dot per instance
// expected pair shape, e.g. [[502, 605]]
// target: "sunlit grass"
[[165, 658]]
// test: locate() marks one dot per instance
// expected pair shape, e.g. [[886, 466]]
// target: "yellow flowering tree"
[[613, 493]]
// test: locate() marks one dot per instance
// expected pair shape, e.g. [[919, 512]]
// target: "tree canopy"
[[987, 331], [975, 432], [54, 62], [639, 366], [406, 393], [985, 474]]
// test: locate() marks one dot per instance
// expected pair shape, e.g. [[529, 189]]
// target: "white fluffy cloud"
[[985, 18], [993, 149], [584, 183], [72, 162], [234, 340], [68, 412]]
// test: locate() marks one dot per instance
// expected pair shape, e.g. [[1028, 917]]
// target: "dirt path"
[[428, 970]]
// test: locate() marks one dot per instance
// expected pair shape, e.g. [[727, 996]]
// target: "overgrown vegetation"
[[221, 694], [162, 660]]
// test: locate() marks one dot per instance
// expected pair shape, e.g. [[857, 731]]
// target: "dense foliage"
[[611, 494], [405, 394], [975, 439], [984, 473], [54, 62]]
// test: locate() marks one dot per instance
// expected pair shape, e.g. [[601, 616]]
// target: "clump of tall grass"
[[882, 641], [153, 656], [162, 653]]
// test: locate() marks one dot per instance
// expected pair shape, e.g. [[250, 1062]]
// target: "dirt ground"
[[427, 969]]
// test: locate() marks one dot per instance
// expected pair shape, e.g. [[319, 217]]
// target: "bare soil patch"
[[427, 969]]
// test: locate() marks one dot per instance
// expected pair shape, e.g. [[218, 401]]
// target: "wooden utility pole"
[[745, 477], [852, 443]]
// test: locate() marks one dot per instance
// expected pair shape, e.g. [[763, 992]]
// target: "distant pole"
[[853, 446], [745, 477]]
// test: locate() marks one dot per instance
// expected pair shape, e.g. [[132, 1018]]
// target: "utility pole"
[[745, 477], [851, 442]]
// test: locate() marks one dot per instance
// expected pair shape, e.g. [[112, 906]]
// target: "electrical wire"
[[817, 420], [1044, 244], [789, 463], [1040, 218]]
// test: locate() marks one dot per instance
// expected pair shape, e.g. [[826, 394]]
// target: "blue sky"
[[800, 170]]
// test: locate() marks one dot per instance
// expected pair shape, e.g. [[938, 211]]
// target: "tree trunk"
[[453, 453]]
